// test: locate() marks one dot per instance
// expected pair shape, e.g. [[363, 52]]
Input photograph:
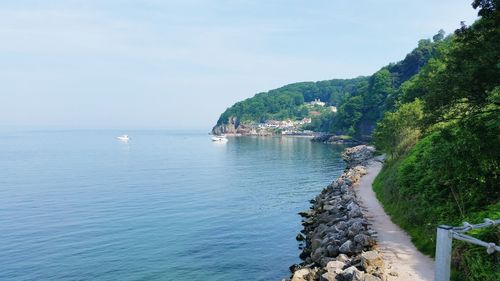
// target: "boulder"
[[304, 274], [318, 254], [335, 265], [355, 228], [372, 262], [343, 258], [328, 276], [346, 247], [324, 261], [332, 250], [306, 214], [355, 212], [300, 237], [351, 274], [364, 240], [315, 244], [328, 207]]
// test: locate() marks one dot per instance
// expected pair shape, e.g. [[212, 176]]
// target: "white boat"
[[219, 138], [123, 138]]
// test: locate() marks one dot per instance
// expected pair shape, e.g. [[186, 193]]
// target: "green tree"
[[462, 88], [398, 131], [379, 88], [439, 36], [349, 114]]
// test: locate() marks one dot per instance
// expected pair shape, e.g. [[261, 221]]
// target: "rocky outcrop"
[[231, 127], [234, 127], [335, 139], [337, 241]]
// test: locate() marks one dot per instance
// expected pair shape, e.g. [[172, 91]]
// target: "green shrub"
[[447, 178]]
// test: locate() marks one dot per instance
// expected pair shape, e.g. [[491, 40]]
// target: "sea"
[[166, 205]]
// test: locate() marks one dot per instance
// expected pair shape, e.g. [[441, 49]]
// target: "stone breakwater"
[[337, 241]]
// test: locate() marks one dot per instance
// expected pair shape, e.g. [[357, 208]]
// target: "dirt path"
[[403, 260]]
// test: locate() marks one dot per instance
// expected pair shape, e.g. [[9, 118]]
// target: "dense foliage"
[[442, 141], [288, 101], [361, 101]]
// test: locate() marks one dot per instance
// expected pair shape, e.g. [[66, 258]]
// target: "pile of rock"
[[358, 155], [338, 243], [334, 139]]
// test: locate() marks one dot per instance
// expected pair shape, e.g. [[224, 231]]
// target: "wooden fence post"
[[443, 253]]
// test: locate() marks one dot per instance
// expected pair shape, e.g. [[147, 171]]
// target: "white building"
[[317, 102]]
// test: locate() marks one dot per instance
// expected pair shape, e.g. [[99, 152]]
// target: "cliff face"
[[230, 128]]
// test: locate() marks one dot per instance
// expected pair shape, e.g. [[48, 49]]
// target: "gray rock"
[[364, 240], [355, 211], [328, 207], [318, 254], [315, 244], [332, 250], [324, 261], [307, 214], [351, 274], [355, 228], [346, 247], [300, 237]]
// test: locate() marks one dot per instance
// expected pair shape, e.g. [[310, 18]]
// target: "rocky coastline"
[[336, 139], [337, 241]]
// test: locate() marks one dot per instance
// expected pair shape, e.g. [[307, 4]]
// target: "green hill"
[[360, 101]]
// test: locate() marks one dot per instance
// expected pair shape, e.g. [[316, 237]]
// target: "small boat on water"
[[220, 138], [123, 138]]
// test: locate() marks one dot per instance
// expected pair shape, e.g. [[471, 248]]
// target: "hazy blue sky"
[[170, 64]]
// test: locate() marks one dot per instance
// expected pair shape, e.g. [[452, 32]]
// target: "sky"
[[152, 64]]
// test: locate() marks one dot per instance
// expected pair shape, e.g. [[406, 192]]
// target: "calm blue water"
[[80, 205]]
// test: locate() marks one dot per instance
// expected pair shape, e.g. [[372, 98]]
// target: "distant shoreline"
[[315, 137]]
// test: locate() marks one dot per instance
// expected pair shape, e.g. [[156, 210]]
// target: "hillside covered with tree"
[[360, 101], [442, 144]]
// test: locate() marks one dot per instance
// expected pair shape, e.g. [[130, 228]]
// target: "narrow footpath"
[[403, 261]]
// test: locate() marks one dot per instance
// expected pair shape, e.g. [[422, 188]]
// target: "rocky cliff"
[[230, 128]]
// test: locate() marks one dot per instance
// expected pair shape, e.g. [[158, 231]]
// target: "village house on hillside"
[[317, 102]]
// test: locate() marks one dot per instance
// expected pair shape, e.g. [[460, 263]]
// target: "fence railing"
[[445, 236]]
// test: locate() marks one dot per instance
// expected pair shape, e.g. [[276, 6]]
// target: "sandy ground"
[[403, 261]]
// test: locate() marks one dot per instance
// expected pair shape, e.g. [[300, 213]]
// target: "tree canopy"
[[361, 101]]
